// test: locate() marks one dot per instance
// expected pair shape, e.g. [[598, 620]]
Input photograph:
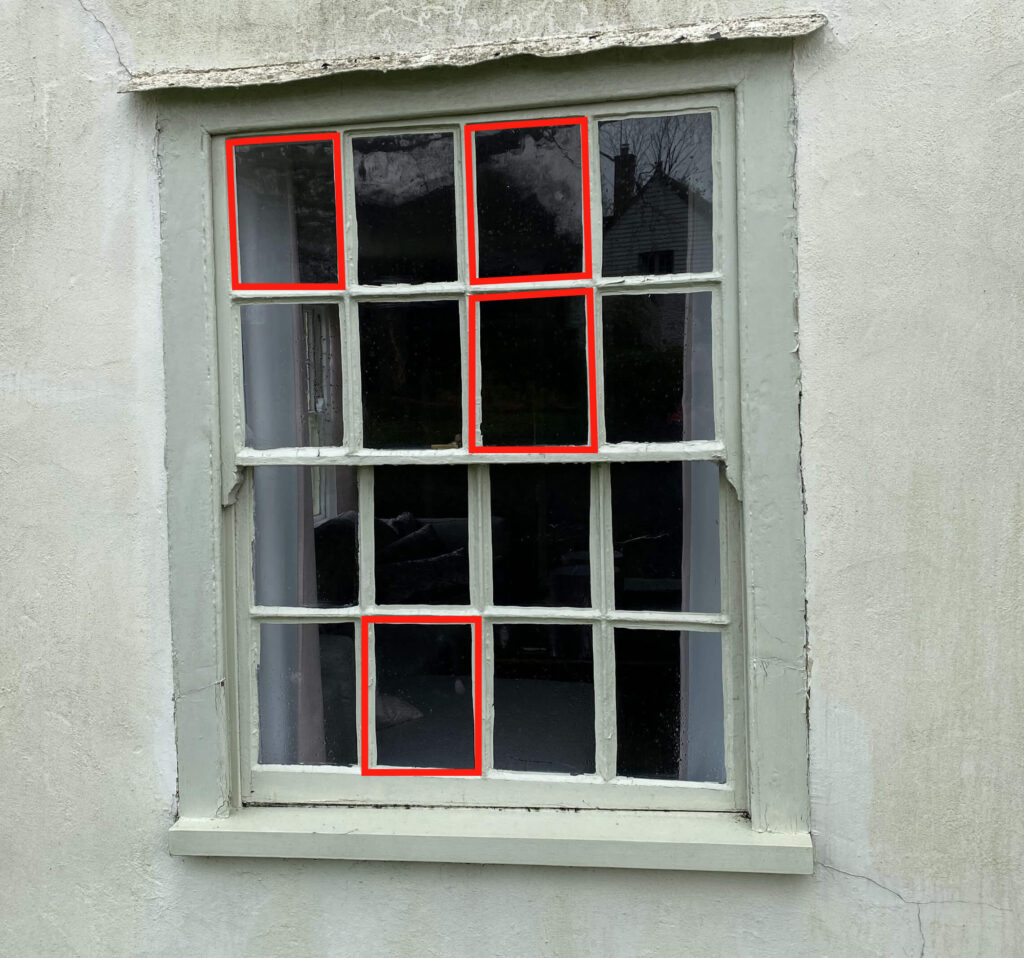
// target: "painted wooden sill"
[[591, 838]]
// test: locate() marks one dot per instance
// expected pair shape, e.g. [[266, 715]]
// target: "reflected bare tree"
[[633, 151]]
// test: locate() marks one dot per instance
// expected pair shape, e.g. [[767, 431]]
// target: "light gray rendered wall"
[[911, 129]]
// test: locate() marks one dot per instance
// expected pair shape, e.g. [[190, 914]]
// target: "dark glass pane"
[[665, 530], [287, 230], [307, 694], [424, 700], [544, 698], [668, 705], [533, 380], [420, 530], [291, 370], [657, 368], [540, 522], [305, 550], [529, 201], [656, 194], [412, 374], [405, 207]]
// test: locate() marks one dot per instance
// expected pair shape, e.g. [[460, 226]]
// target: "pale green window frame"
[[758, 821]]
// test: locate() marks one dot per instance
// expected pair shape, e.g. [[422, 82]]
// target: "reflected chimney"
[[625, 179]]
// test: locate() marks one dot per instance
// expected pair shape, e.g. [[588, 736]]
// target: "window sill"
[[590, 838]]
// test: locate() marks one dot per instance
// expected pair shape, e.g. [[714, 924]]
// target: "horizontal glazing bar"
[[664, 282], [691, 621], [341, 456]]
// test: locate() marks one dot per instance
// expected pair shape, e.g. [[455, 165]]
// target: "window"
[[484, 480]]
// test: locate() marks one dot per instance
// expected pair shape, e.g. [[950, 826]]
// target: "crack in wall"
[[110, 36], [917, 903]]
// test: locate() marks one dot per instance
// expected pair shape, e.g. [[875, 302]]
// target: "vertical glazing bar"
[[603, 577], [367, 587], [487, 730], [479, 539], [460, 205], [351, 377], [464, 371], [596, 210], [599, 364], [348, 211], [472, 387], [371, 694]]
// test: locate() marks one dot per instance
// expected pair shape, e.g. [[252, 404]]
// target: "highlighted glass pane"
[[287, 227], [423, 703], [665, 534], [405, 207], [306, 681], [291, 371], [669, 705], [658, 381], [305, 552], [540, 533], [544, 698], [421, 535], [533, 371], [412, 375], [530, 200], [656, 195]]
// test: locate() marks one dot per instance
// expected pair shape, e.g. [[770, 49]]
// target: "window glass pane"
[[544, 698], [424, 696], [668, 699], [291, 371], [412, 374], [657, 365], [665, 531], [533, 379], [405, 207], [420, 530], [656, 195], [287, 227], [306, 681], [529, 201], [305, 547], [540, 528]]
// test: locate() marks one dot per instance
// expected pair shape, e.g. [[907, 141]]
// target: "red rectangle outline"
[[229, 147], [471, 128], [588, 294], [476, 624]]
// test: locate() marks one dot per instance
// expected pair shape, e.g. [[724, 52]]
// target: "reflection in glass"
[[424, 696], [287, 227], [304, 552], [420, 532], [306, 681], [657, 364], [529, 201], [291, 371], [665, 531], [540, 528], [412, 374], [544, 698], [656, 194], [405, 207], [669, 705], [533, 379]]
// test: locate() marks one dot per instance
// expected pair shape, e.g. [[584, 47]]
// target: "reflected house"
[[664, 226]]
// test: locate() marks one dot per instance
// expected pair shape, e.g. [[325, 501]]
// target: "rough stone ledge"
[[743, 29]]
